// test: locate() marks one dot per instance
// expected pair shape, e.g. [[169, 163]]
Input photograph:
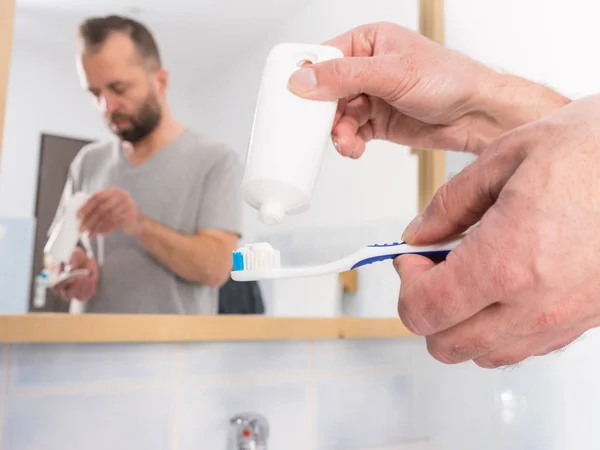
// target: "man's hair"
[[95, 30]]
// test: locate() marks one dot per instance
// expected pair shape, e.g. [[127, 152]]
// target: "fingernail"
[[335, 144], [412, 228], [303, 80]]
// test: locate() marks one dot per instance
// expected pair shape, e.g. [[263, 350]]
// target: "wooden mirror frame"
[[48, 328]]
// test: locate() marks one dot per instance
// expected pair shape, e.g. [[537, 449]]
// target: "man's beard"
[[141, 125]]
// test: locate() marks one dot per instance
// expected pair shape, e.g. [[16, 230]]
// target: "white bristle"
[[260, 255]]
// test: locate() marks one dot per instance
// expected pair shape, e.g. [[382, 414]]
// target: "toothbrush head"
[[256, 256]]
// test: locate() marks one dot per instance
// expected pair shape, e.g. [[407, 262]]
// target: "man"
[[526, 280], [165, 201]]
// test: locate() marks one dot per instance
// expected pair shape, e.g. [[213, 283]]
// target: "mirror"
[[214, 58]]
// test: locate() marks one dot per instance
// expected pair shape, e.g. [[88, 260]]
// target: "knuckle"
[[414, 321], [341, 70], [454, 352], [497, 361], [442, 351], [487, 363]]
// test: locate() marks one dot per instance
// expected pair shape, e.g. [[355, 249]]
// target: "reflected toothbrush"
[[50, 279], [260, 261]]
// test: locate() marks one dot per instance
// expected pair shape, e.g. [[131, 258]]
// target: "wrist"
[[507, 101]]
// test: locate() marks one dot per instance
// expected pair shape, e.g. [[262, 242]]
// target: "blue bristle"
[[238, 261]]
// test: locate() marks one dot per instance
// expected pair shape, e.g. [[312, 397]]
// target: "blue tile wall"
[[16, 257]]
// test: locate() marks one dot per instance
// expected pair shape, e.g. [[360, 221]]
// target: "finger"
[[342, 77], [96, 202], [78, 258], [364, 135], [112, 220], [346, 131], [79, 288], [64, 289], [102, 212], [359, 41], [463, 200], [477, 337], [539, 344], [345, 135], [93, 201], [91, 209], [409, 267], [437, 297]]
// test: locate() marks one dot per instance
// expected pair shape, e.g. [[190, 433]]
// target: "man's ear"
[[162, 80]]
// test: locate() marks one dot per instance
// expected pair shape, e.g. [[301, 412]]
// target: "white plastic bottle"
[[289, 136], [65, 235], [39, 297]]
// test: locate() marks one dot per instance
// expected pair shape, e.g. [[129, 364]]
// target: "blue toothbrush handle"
[[436, 255]]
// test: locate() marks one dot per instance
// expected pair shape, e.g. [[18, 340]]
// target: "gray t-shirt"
[[191, 184]]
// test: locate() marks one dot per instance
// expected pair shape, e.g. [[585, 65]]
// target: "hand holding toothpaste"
[[397, 85], [109, 210]]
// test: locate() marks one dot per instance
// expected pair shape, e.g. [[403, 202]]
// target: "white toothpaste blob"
[[260, 255]]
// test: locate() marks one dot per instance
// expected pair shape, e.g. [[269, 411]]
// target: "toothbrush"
[[260, 261], [50, 279]]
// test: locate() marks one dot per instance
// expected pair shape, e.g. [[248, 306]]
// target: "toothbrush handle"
[[434, 255]]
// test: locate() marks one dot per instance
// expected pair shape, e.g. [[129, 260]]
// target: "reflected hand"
[[80, 287], [526, 280], [110, 210], [395, 84]]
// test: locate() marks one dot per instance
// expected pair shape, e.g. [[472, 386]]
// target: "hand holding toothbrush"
[[397, 85], [526, 280], [80, 287]]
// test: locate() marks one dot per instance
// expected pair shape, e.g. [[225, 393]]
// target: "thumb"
[[344, 77], [462, 201], [78, 258]]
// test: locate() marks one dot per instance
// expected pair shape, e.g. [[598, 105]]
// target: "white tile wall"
[[95, 420], [357, 411], [205, 410], [322, 395]]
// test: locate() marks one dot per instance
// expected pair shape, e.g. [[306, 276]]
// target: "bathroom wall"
[[321, 395], [547, 41]]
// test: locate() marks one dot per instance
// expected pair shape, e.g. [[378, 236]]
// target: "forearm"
[[507, 101], [195, 258]]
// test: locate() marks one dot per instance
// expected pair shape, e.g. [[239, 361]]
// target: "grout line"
[[415, 419], [4, 390], [133, 385], [89, 389], [176, 407], [311, 398]]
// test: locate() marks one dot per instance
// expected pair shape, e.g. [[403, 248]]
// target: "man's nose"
[[108, 104]]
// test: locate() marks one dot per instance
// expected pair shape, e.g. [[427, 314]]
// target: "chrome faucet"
[[248, 431]]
